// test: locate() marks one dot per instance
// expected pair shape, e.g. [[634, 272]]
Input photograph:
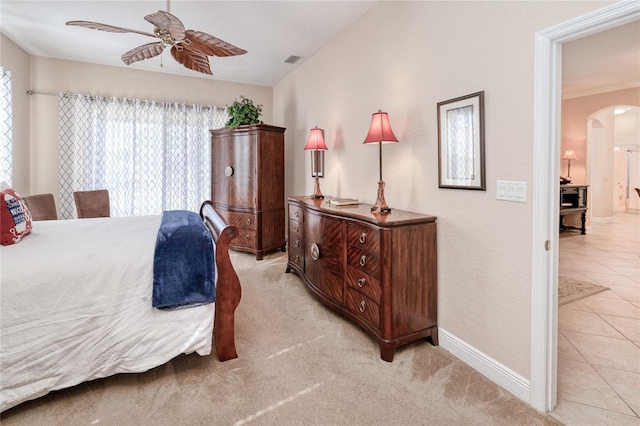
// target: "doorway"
[[544, 311]]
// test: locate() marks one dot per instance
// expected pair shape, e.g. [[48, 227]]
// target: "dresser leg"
[[434, 335], [386, 351]]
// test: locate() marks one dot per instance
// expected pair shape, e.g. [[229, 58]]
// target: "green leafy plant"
[[243, 111]]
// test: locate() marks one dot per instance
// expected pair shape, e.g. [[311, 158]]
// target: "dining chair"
[[94, 203], [42, 206]]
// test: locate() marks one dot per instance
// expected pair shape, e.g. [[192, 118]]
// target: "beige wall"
[[15, 60], [403, 58], [51, 76]]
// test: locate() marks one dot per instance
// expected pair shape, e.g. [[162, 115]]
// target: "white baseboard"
[[489, 367]]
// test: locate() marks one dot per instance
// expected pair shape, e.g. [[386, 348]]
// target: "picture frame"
[[461, 151]]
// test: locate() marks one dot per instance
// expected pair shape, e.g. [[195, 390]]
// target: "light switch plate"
[[512, 191]]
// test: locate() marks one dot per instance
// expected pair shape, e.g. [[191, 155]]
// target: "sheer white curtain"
[[461, 155], [150, 156], [6, 152]]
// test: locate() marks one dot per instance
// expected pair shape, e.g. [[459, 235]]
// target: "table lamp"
[[569, 155], [380, 132], [316, 145]]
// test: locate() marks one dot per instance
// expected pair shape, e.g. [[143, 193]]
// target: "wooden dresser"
[[380, 271], [247, 185]]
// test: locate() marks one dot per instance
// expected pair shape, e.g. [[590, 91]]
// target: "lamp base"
[[381, 205], [316, 191]]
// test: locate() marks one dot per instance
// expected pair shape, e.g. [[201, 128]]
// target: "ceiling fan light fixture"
[[192, 52]]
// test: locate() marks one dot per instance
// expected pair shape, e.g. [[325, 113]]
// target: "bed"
[[76, 305]]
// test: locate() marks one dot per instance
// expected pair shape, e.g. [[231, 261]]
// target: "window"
[[150, 156], [6, 156]]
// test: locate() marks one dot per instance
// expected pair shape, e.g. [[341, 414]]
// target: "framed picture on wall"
[[461, 142]]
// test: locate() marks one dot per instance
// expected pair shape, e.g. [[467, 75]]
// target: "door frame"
[[546, 173]]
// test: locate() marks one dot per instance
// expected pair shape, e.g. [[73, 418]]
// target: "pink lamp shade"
[[380, 130], [316, 140], [569, 155]]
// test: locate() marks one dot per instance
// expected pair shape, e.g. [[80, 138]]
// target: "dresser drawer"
[[238, 219], [364, 237], [296, 213], [566, 190], [243, 220], [296, 242], [364, 261], [296, 256], [295, 230], [363, 307], [245, 238], [363, 283]]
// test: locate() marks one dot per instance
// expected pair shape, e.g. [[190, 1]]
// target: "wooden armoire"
[[247, 185]]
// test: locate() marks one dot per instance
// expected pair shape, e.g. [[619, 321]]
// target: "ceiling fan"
[[190, 48]]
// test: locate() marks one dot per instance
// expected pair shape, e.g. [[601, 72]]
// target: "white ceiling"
[[270, 31], [603, 62]]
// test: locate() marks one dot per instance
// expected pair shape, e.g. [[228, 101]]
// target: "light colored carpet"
[[570, 290], [299, 364]]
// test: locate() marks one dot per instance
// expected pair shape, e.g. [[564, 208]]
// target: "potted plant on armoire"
[[247, 178]]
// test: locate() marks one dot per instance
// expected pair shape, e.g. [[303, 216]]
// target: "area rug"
[[570, 290]]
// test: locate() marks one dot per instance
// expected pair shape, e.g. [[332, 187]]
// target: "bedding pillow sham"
[[15, 217]]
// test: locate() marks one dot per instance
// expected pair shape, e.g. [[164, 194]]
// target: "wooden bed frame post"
[[228, 290]]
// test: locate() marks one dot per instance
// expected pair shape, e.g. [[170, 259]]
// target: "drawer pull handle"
[[363, 238], [228, 171], [297, 258], [315, 251], [363, 306], [297, 244], [248, 221], [297, 214], [297, 229], [361, 282], [363, 260]]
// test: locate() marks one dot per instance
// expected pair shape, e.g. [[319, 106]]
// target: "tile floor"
[[599, 336]]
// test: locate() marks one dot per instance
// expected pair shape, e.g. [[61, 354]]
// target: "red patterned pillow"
[[15, 217]]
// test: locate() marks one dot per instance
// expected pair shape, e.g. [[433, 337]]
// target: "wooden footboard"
[[228, 290]]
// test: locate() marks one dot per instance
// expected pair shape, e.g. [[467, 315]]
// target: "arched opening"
[[613, 161]]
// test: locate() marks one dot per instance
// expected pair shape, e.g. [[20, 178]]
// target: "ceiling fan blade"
[[192, 60], [145, 51], [106, 27], [166, 21], [209, 45]]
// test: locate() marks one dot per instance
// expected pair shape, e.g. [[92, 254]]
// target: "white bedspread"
[[75, 300]]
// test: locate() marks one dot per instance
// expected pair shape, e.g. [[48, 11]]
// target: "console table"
[[379, 271], [573, 200]]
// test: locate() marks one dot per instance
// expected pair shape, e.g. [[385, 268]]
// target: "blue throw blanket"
[[183, 266]]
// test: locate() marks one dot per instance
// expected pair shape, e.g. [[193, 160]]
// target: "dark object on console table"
[[573, 200], [247, 185], [380, 271]]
